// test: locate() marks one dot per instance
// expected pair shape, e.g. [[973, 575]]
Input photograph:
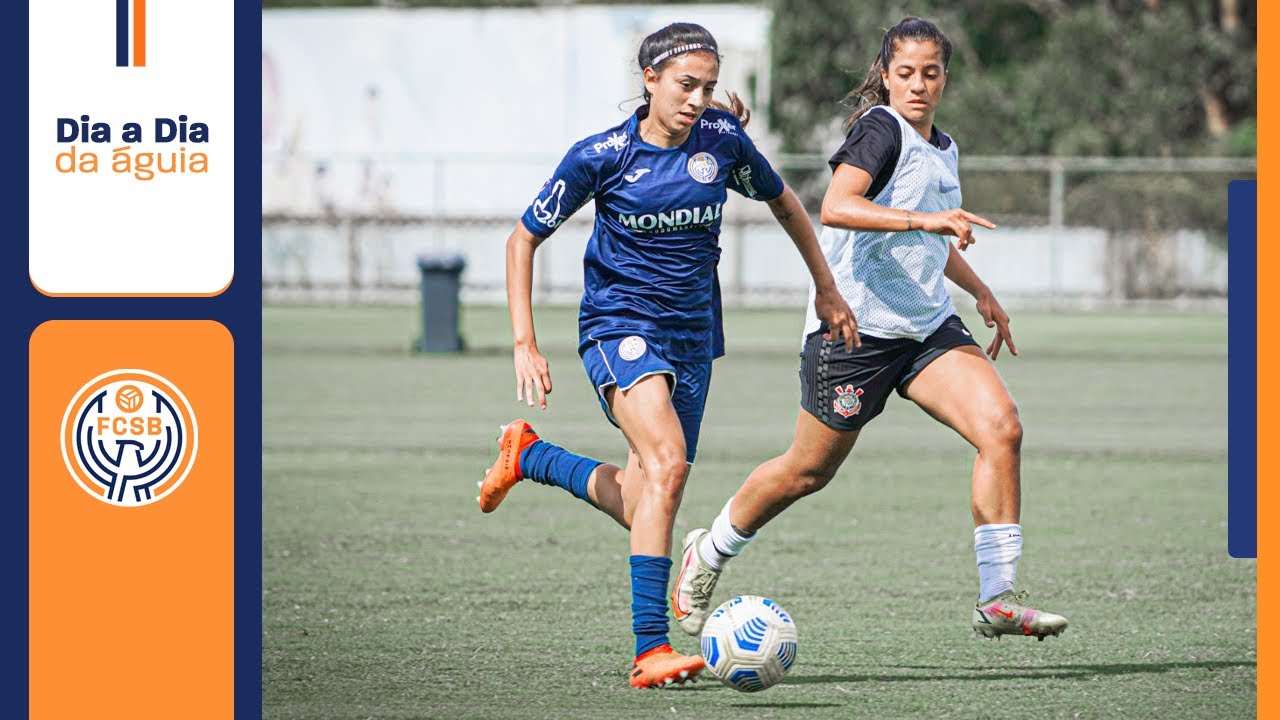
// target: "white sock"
[[998, 548], [724, 541]]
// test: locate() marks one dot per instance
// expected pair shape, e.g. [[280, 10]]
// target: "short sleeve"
[[572, 185], [874, 144], [752, 175]]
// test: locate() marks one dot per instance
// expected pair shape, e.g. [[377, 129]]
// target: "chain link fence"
[[1073, 232]]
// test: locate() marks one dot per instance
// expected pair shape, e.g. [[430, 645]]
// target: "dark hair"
[[661, 46], [872, 91]]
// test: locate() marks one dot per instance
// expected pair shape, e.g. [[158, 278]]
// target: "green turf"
[[387, 594]]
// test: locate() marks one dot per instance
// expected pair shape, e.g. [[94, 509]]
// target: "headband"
[[682, 49]]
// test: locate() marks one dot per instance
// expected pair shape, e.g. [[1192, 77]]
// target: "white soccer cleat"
[[691, 596], [1008, 614]]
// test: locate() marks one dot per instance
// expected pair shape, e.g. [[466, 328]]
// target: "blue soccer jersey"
[[650, 265]]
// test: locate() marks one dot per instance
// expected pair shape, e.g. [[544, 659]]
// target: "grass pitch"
[[387, 594]]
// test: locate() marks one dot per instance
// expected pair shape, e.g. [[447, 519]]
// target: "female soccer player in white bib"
[[894, 198], [650, 323]]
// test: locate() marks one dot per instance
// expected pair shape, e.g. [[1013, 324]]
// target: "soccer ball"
[[749, 643]]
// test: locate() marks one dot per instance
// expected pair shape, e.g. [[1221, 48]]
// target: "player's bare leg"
[[805, 468], [649, 421], [616, 491], [962, 390]]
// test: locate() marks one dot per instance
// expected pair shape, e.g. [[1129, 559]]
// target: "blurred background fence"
[[1055, 245], [392, 132]]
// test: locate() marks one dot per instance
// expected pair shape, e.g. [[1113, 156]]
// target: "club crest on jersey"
[[617, 141], [129, 437], [631, 347], [721, 126], [847, 402], [703, 167]]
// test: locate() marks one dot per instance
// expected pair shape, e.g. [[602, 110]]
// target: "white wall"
[[473, 108], [472, 112]]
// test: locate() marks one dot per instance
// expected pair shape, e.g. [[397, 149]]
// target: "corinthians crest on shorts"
[[129, 437], [847, 402]]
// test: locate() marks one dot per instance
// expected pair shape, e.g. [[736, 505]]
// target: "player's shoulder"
[[945, 141], [877, 119], [604, 147], [719, 125]]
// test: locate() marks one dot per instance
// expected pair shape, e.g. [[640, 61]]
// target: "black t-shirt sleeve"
[[874, 144]]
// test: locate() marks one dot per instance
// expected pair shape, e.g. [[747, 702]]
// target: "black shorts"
[[846, 390]]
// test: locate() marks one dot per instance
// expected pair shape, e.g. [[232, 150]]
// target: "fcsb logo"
[[129, 437]]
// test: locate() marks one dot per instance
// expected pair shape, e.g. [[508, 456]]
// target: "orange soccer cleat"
[[663, 666], [505, 473]]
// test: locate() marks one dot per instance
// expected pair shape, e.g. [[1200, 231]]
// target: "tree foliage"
[[1038, 77], [1045, 77]]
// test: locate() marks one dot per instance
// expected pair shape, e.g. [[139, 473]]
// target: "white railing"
[[364, 248]]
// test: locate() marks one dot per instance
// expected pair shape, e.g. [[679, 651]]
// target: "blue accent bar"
[[1242, 369], [122, 33], [240, 308]]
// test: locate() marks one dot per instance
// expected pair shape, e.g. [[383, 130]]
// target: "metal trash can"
[[441, 282]]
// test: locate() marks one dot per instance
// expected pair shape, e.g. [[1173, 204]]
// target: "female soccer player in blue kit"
[[893, 197], [650, 321]]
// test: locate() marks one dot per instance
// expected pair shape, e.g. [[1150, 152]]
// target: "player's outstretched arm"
[[961, 273], [829, 305], [533, 375], [845, 206]]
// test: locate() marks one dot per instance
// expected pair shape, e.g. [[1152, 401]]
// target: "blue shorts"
[[624, 361]]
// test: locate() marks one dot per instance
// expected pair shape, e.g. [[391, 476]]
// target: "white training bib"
[[893, 281]]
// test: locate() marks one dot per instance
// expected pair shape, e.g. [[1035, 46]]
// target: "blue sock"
[[649, 577], [550, 464]]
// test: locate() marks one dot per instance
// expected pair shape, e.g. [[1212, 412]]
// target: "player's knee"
[[1005, 430], [812, 480], [804, 475], [666, 469]]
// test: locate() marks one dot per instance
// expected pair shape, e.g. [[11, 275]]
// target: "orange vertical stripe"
[[132, 608], [1268, 383], [139, 33]]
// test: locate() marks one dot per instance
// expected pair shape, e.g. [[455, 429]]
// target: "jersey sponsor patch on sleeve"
[[743, 176], [546, 209]]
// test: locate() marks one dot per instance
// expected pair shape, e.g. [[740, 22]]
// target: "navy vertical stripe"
[[122, 33], [1242, 369], [240, 309]]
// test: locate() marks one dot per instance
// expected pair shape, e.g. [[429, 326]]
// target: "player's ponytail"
[[735, 107], [872, 91], [679, 38]]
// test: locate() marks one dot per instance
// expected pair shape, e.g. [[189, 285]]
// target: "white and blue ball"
[[749, 643]]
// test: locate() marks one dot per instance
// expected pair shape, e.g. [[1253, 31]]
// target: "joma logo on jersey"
[[721, 126], [617, 141], [129, 437], [665, 222]]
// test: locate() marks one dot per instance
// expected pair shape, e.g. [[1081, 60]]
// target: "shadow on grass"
[[1061, 672], [786, 705]]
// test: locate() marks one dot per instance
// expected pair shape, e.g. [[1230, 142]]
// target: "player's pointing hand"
[[957, 222]]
